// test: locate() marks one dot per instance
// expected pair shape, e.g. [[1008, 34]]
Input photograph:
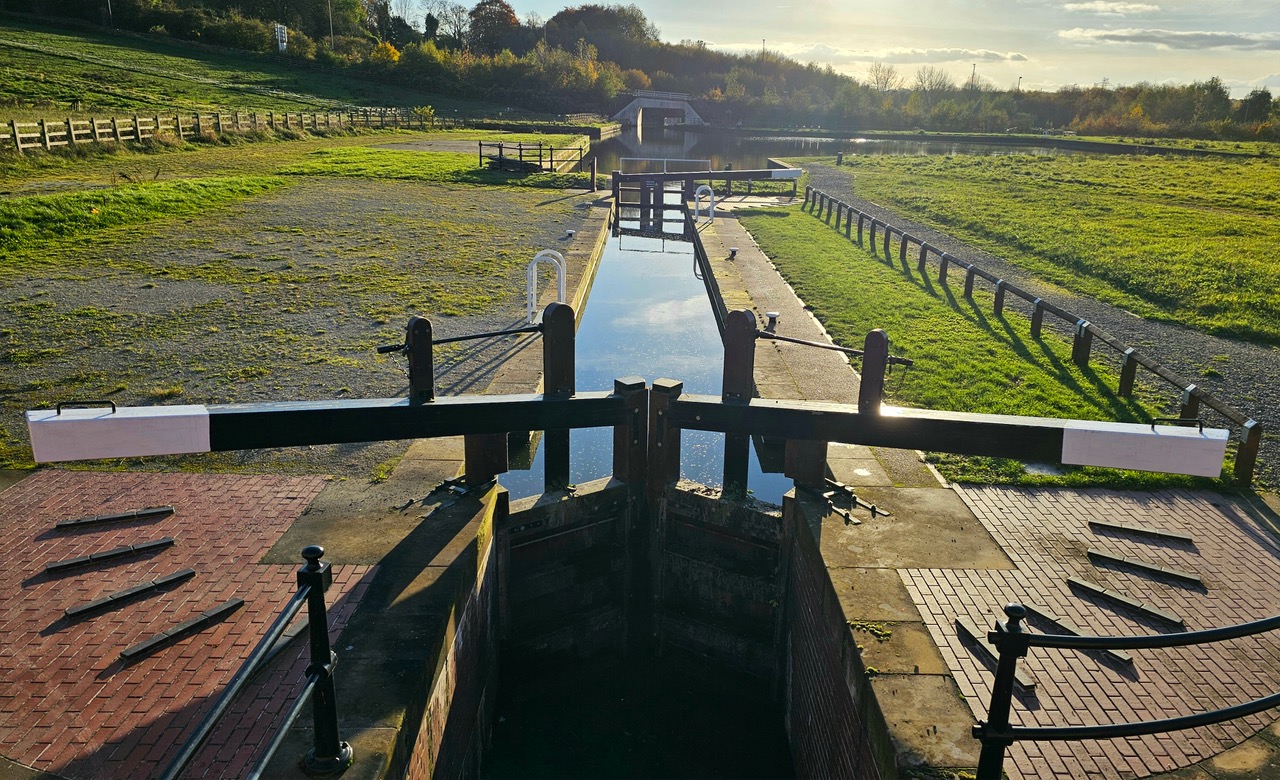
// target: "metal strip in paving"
[[107, 555], [181, 631], [978, 638], [137, 514], [1148, 568], [1119, 598], [121, 597], [1119, 656], [1141, 530]]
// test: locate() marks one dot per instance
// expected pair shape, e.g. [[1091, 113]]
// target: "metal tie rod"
[[388, 348], [893, 359]]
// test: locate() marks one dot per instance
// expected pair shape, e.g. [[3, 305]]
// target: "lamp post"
[[1019, 84]]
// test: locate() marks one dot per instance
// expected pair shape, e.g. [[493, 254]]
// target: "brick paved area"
[[67, 704], [1047, 535]]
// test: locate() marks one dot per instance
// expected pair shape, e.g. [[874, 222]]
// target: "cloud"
[[836, 56], [1103, 8], [1177, 39]]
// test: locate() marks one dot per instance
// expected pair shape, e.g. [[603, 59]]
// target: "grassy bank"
[[1182, 240], [225, 274], [47, 69], [965, 359]]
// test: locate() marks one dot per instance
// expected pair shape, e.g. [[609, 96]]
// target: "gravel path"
[[1242, 374]]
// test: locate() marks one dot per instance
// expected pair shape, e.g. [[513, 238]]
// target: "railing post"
[[1247, 453], [848, 223], [943, 262], [329, 755], [875, 359], [1011, 644], [1128, 372], [902, 250], [631, 436], [418, 346], [595, 162], [1190, 407], [558, 381], [998, 308], [1082, 343], [921, 264], [874, 251], [888, 235], [1037, 317], [861, 218], [738, 387], [664, 438], [968, 281], [808, 191]]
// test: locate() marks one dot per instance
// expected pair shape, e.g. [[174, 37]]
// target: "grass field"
[[965, 359], [1183, 240], [211, 274], [46, 70]]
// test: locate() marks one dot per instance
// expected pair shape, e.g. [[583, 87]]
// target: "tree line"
[[583, 57]]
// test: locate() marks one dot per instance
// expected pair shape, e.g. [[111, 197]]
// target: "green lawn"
[[45, 70], [965, 359], [1184, 240]]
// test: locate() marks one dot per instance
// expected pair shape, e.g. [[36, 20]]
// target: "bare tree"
[[454, 19], [883, 77], [933, 81]]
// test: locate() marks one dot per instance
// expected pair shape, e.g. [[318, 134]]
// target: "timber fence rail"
[[908, 248], [49, 134], [536, 155]]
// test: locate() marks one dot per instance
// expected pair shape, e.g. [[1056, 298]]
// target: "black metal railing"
[[824, 207], [1013, 642], [329, 755]]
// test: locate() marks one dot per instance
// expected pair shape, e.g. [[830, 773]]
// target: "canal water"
[[648, 315], [745, 151]]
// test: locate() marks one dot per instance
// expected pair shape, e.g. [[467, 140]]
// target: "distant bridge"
[[665, 103]]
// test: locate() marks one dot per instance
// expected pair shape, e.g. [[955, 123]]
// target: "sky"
[[1045, 44]]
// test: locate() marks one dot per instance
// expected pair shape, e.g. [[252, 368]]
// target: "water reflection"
[[753, 152], [648, 315]]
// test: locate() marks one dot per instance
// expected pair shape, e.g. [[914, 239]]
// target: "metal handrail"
[[892, 359], [314, 578], [1012, 642]]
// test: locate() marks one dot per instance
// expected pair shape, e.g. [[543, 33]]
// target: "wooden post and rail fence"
[[49, 134], [1192, 397]]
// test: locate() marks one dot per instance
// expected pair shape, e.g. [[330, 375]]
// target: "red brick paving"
[[67, 705], [1046, 533]]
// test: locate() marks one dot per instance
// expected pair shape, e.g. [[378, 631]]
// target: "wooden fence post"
[[874, 251], [115, 129], [968, 281], [93, 122], [1037, 317], [71, 133], [861, 218], [875, 359], [921, 264], [1247, 453], [998, 308], [217, 122], [848, 223], [137, 129], [738, 387], [1082, 343], [1190, 406], [902, 250], [664, 438], [558, 380], [1128, 372], [888, 258], [44, 135], [630, 438], [17, 139]]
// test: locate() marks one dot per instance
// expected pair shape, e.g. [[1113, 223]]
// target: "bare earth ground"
[[1247, 373], [279, 297]]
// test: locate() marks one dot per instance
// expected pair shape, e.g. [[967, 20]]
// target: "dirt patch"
[[280, 297]]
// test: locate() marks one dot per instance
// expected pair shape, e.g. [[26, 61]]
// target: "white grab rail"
[[697, 203], [531, 276]]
